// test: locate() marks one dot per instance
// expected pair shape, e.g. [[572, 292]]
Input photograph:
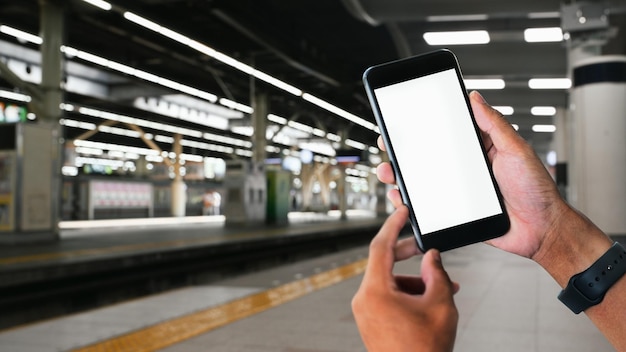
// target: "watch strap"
[[588, 288]]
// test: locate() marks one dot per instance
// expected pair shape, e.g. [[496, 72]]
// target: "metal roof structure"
[[209, 50]]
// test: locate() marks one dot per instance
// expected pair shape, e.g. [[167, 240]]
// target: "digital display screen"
[[438, 153]]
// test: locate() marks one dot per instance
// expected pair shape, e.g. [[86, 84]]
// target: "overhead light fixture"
[[544, 128], [457, 18], [495, 83], [21, 35], [543, 110], [14, 96], [116, 66], [548, 34], [515, 126], [354, 144], [457, 37], [100, 4], [72, 52], [549, 83], [338, 111], [244, 67], [300, 126], [504, 110], [277, 119], [547, 14], [235, 105]]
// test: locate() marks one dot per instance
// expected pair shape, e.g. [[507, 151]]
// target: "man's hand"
[[404, 313]]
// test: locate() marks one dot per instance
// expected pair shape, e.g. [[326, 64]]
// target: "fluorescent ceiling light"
[[333, 137], [244, 67], [300, 126], [355, 144], [549, 83], [99, 3], [543, 110], [277, 83], [547, 14], [548, 34], [457, 18], [21, 35], [14, 96], [515, 126], [496, 83], [116, 66], [277, 119], [456, 37], [544, 128], [504, 110], [146, 23], [237, 106], [338, 111]]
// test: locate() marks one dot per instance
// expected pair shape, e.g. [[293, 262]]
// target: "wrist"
[[571, 245]]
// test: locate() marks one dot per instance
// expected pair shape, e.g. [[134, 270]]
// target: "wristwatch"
[[588, 288]]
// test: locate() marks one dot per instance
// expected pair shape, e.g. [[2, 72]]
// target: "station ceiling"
[[319, 46]]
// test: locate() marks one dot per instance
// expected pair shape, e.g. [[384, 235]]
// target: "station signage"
[[11, 113]]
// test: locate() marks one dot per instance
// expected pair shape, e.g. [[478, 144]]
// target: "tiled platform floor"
[[506, 303]]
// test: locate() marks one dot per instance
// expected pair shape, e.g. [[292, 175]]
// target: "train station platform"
[[506, 303], [96, 263]]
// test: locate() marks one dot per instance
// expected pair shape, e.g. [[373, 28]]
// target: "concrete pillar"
[[38, 147], [179, 189], [342, 192], [52, 26], [598, 152], [259, 123]]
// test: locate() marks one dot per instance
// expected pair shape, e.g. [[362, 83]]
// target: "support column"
[[597, 163], [52, 27], [38, 149], [259, 123], [179, 189], [342, 192], [598, 158]]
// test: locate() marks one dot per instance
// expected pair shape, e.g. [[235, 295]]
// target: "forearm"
[[572, 247]]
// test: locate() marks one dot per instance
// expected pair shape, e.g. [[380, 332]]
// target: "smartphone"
[[436, 151]]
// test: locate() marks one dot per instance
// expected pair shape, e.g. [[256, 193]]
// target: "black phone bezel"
[[418, 66]]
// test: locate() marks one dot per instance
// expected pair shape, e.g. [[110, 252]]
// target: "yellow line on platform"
[[179, 329]]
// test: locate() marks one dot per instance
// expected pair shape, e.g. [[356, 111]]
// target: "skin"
[[544, 228], [400, 312]]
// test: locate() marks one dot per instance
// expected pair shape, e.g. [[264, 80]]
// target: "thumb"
[[435, 277], [491, 122]]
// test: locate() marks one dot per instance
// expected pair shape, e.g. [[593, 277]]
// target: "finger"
[[395, 198], [381, 143], [385, 174], [406, 248], [491, 122], [381, 254], [438, 283]]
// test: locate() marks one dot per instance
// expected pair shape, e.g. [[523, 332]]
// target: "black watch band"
[[588, 288]]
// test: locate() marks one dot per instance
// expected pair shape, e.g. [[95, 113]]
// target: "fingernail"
[[480, 97], [436, 255]]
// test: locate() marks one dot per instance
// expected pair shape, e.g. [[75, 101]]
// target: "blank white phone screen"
[[439, 155]]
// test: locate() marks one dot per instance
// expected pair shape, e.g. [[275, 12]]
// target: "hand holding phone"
[[434, 145]]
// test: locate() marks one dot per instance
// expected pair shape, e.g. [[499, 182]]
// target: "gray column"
[[259, 123], [179, 189], [598, 158], [40, 179]]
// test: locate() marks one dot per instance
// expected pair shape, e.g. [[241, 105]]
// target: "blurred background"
[[130, 128]]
